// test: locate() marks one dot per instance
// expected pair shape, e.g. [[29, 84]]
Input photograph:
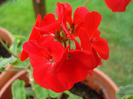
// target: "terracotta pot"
[[5, 76], [5, 36], [5, 92], [100, 81]]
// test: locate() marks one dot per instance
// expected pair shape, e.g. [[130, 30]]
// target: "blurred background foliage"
[[117, 28]]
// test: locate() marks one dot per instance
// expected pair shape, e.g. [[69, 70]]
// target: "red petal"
[[56, 49], [97, 58], [35, 34], [59, 11], [70, 72], [23, 56], [45, 41], [117, 5], [48, 19], [68, 12], [73, 71], [85, 58], [47, 80], [96, 34], [85, 40], [50, 28], [90, 72], [56, 67], [31, 47], [92, 21], [79, 16], [101, 46]]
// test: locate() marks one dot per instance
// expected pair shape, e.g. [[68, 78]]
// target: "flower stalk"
[[86, 3], [19, 69], [5, 46], [32, 81]]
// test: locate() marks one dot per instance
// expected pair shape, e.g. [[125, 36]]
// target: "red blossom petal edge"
[[117, 5]]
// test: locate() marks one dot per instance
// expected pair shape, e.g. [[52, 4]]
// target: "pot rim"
[[4, 76], [100, 81], [8, 83], [5, 35]]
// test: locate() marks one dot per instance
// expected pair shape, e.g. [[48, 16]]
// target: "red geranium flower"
[[55, 68], [90, 36], [117, 5]]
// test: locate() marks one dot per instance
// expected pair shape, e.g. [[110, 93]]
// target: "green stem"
[[32, 82], [5, 46], [65, 44], [11, 70], [60, 95], [86, 3], [69, 44]]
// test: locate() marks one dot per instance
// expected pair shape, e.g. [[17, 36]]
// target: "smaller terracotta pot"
[[5, 36], [5, 92], [5, 76], [100, 81]]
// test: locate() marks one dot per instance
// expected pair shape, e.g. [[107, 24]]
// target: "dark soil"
[[86, 92], [3, 52], [79, 89]]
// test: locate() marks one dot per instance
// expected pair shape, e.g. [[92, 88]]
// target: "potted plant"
[[59, 62]]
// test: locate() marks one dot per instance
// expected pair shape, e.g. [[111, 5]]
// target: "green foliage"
[[17, 43], [72, 96], [128, 97], [53, 94], [18, 63], [16, 48], [125, 92], [42, 93], [18, 89], [5, 61], [29, 92]]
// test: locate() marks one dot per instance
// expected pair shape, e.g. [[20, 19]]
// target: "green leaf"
[[29, 92], [20, 64], [128, 97], [72, 96], [125, 92], [20, 37], [17, 43], [41, 93], [18, 89], [13, 47], [53, 94], [5, 61]]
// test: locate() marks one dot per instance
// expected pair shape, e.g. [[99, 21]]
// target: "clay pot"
[[5, 36], [5, 92], [5, 76], [100, 81]]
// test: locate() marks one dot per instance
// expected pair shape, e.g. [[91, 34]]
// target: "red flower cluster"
[[117, 5], [58, 66]]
